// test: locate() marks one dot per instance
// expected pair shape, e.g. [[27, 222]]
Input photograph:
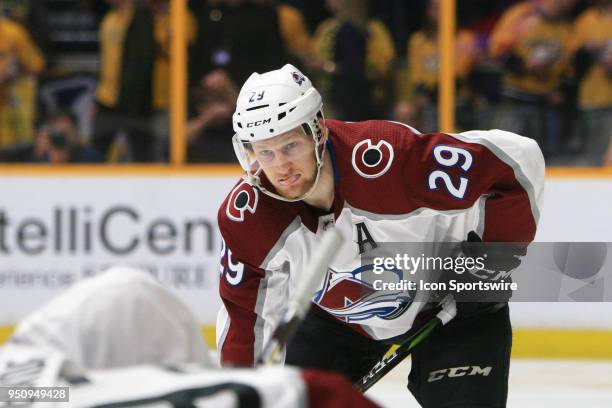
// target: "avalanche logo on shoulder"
[[372, 160], [243, 198]]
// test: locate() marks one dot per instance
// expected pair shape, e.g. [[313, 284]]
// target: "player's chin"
[[293, 192]]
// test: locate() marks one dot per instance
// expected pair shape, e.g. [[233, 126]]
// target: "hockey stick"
[[395, 356], [302, 299]]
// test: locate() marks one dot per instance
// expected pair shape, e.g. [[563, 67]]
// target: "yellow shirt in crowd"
[[379, 47], [524, 32], [19, 58], [423, 58], [379, 51], [596, 87], [112, 33], [293, 30], [161, 70]]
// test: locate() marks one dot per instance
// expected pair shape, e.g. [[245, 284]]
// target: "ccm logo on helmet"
[[372, 160], [243, 198], [259, 122]]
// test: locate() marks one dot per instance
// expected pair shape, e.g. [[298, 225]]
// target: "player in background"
[[374, 181], [121, 338]]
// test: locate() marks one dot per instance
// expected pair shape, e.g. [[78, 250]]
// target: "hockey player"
[[121, 339], [374, 181]]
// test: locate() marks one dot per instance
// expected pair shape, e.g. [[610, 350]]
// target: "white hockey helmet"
[[269, 105]]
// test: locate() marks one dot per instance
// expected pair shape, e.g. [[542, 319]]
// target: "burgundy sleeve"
[[240, 302], [250, 224], [447, 172]]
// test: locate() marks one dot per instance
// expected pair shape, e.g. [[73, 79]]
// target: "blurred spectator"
[[402, 19], [66, 32], [160, 124], [57, 142], [532, 41], [423, 72], [17, 10], [20, 62], [295, 34], [592, 42], [33, 15], [357, 53], [209, 131], [314, 11], [238, 36], [124, 96], [406, 112]]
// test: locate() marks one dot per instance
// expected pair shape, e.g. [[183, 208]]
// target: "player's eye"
[[290, 148], [265, 155]]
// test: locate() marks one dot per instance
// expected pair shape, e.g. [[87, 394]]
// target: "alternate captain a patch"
[[243, 198], [372, 160]]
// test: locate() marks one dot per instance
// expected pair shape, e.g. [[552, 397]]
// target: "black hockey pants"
[[463, 364]]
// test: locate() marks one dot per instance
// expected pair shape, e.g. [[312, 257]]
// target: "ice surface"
[[533, 383]]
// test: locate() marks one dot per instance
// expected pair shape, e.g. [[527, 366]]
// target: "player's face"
[[289, 162]]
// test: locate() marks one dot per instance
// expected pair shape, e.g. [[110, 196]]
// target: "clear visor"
[[277, 153]]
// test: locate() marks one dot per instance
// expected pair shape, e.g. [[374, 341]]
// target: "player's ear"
[[323, 129]]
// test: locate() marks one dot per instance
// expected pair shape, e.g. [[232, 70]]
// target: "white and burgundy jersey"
[[392, 184], [278, 387], [23, 365]]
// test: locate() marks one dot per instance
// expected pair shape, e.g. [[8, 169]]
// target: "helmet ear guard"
[[312, 129]]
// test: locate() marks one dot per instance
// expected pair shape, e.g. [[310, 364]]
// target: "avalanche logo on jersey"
[[372, 160], [346, 296], [243, 198]]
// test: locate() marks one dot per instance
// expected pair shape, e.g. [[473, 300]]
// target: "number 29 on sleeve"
[[449, 156]]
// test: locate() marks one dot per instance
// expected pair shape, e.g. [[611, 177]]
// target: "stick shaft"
[[391, 360], [302, 297]]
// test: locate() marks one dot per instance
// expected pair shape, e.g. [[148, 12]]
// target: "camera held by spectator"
[[207, 130], [58, 142]]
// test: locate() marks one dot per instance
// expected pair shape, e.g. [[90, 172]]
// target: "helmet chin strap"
[[255, 180]]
